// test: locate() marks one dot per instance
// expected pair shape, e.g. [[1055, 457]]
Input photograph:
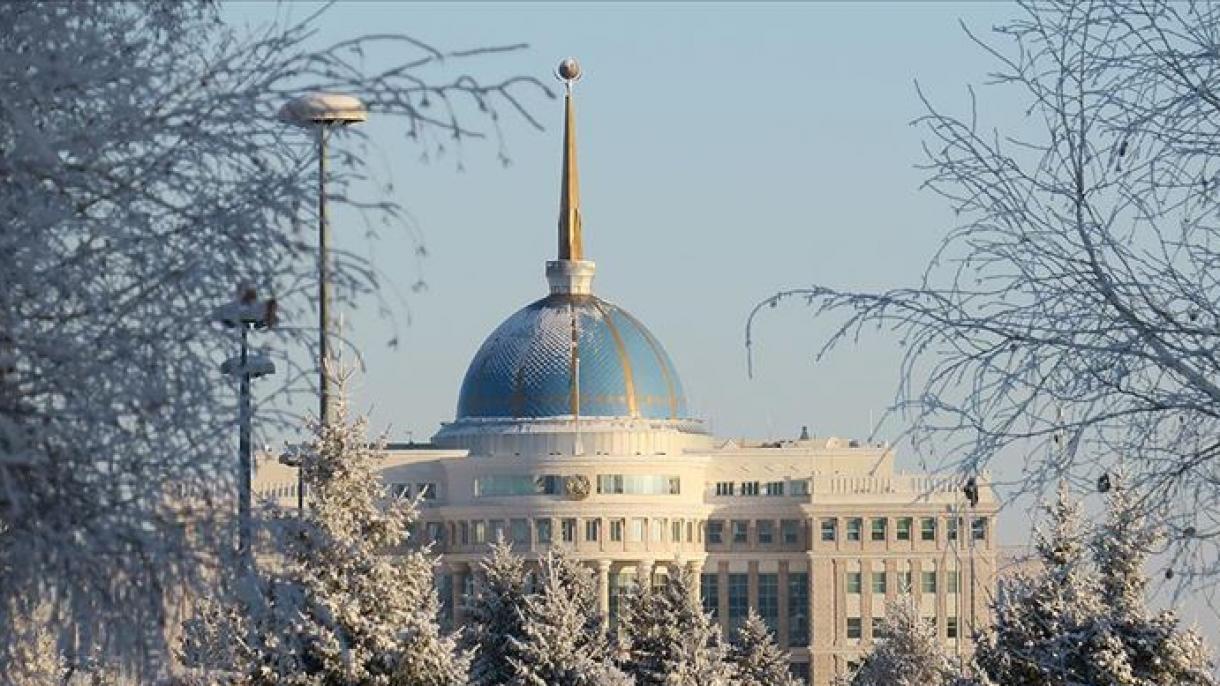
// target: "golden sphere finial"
[[569, 70]]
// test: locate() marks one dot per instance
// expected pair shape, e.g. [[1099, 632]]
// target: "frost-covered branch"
[[145, 177]]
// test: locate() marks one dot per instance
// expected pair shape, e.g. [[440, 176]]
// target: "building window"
[[593, 529], [927, 529], [952, 581], [638, 484], [426, 491], [905, 583], [658, 530], [549, 484], [799, 487], [854, 525], [542, 530], [766, 531], [464, 532], [877, 628], [950, 627], [496, 529], [434, 532], [639, 527], [519, 531], [878, 529], [927, 582], [498, 485], [798, 608], [400, 491], [951, 531], [773, 488], [749, 488], [616, 530], [853, 627], [739, 598], [853, 582], [675, 531], [568, 525], [715, 531], [828, 529], [978, 529], [480, 531], [709, 592], [904, 528], [690, 532], [768, 600], [789, 531], [724, 488], [879, 582], [741, 531], [799, 672]]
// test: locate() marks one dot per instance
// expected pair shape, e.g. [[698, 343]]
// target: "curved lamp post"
[[322, 111]]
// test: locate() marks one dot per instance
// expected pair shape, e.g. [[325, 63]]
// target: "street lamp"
[[322, 111], [245, 313]]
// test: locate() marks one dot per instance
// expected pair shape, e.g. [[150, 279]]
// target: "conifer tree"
[[1134, 646], [348, 605], [910, 655], [670, 641], [1041, 620], [564, 643], [757, 658], [496, 616]]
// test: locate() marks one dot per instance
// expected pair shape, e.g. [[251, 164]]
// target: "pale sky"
[[726, 151]]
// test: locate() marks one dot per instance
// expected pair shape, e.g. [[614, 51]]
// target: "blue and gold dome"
[[571, 354], [529, 366]]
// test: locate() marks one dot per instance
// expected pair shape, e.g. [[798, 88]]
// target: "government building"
[[572, 429]]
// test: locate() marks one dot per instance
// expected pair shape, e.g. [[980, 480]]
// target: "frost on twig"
[[145, 177]]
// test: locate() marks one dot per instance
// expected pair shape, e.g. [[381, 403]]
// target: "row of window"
[[878, 528], [765, 531], [879, 582], [517, 531], [737, 592], [501, 485], [404, 491], [773, 488], [719, 531], [855, 627]]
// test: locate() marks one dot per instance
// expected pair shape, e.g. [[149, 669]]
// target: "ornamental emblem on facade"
[[576, 486]]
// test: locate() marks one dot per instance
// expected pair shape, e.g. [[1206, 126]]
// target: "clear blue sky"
[[726, 151]]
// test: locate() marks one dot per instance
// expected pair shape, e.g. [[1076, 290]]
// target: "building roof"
[[528, 367]]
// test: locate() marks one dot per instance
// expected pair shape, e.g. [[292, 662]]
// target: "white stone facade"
[[815, 534]]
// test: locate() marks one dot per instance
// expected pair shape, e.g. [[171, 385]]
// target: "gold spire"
[[570, 243]]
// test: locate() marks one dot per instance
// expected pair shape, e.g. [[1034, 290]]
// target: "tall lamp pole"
[[322, 111], [245, 313]]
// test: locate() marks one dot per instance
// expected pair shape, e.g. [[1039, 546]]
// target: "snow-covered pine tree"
[[1040, 620], [145, 174], [31, 657], [349, 605], [669, 641], [910, 655], [758, 659], [495, 617], [564, 643], [1132, 645]]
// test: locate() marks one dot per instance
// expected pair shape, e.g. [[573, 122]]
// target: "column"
[[694, 572], [643, 574], [603, 590], [781, 626], [459, 570]]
